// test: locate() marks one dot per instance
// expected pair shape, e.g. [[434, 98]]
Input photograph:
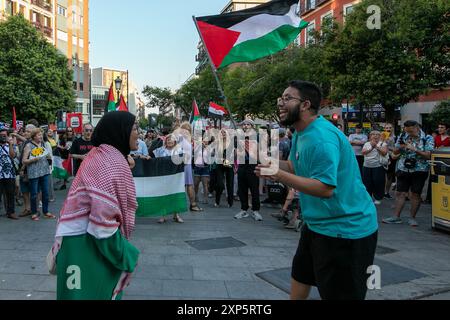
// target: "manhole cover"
[[216, 243]]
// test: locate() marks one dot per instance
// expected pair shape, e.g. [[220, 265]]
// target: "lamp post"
[[118, 83]]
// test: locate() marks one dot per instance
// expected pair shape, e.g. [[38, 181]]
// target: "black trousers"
[[212, 180], [360, 160], [247, 179], [8, 189], [224, 174], [375, 180]]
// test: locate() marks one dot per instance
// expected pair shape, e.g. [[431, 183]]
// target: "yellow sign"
[[367, 125]]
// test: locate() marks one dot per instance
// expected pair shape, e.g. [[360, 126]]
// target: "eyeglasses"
[[286, 99], [88, 130]]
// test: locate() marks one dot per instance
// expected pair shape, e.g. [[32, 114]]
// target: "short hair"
[[35, 132], [411, 123], [308, 91], [87, 124], [358, 126], [34, 122], [30, 127], [186, 126], [443, 124]]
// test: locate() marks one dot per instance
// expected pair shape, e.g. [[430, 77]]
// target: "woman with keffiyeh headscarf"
[[92, 256]]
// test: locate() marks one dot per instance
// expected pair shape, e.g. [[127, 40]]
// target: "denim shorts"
[[201, 171]]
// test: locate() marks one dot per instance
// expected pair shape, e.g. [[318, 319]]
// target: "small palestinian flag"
[[111, 105], [196, 112], [251, 34], [122, 105], [160, 188], [216, 111]]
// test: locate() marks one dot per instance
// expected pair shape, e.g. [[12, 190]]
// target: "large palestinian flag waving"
[[251, 34]]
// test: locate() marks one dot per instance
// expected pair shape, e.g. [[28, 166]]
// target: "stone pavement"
[[414, 262]]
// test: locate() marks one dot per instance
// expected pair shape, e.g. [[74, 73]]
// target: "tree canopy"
[[34, 76]]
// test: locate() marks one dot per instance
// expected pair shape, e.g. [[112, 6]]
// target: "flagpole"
[[216, 76]]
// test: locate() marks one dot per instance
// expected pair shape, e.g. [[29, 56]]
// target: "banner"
[[160, 187]]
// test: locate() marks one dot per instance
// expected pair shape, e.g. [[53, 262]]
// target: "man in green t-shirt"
[[339, 238]]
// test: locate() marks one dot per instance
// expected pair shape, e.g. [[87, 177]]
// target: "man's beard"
[[293, 116]]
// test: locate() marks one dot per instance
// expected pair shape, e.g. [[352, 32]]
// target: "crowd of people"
[[387, 161], [323, 180], [27, 166]]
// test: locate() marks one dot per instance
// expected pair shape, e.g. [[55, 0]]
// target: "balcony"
[[310, 5], [47, 31], [46, 5]]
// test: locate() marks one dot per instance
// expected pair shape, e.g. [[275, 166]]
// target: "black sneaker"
[[63, 187], [388, 196]]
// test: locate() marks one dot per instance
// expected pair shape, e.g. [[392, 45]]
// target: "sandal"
[[35, 217], [196, 208], [25, 213], [178, 219], [49, 216]]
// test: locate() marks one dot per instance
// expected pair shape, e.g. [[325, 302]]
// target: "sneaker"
[[388, 196], [210, 195], [377, 202], [216, 205], [242, 214], [63, 187], [257, 216], [413, 222], [392, 220], [277, 215], [292, 224]]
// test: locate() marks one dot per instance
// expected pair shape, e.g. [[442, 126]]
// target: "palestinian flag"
[[216, 111], [160, 187], [61, 168], [196, 112], [111, 105], [251, 34]]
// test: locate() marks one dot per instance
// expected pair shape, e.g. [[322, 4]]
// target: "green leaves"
[[34, 76]]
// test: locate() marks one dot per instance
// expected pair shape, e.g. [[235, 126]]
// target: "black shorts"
[[337, 267], [414, 181]]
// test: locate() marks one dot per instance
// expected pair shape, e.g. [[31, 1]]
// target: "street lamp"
[[118, 83]]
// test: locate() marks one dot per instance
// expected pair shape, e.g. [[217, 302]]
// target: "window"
[[81, 86], [327, 18], [310, 33], [75, 86], [62, 11], [79, 107], [81, 20], [74, 17], [348, 8], [310, 4]]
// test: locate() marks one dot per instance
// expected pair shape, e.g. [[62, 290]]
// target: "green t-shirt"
[[322, 152]]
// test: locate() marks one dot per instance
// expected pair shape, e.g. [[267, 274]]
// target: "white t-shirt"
[[372, 159], [357, 138]]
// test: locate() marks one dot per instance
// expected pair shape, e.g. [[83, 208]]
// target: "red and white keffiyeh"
[[102, 197], [101, 200]]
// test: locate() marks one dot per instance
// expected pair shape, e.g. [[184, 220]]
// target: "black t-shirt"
[[80, 147]]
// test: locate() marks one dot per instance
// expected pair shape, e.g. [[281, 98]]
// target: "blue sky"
[[155, 40]]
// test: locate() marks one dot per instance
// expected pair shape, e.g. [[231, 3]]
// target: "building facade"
[[316, 12], [233, 5], [102, 78], [65, 24]]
